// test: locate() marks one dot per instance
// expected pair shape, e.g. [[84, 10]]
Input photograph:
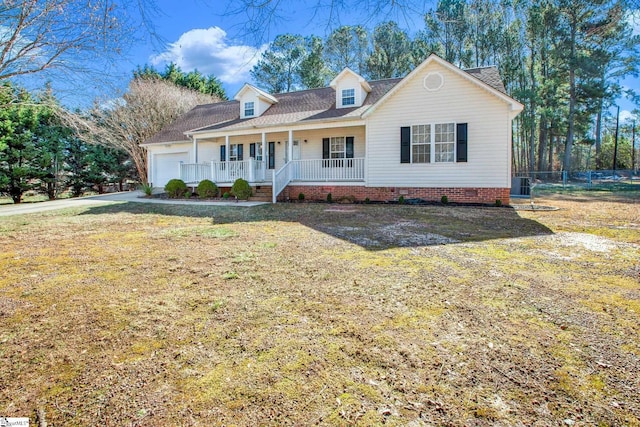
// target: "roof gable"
[[349, 72], [486, 81], [258, 92]]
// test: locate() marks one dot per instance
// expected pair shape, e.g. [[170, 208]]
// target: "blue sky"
[[202, 34]]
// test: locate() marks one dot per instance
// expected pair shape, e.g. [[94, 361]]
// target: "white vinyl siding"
[[457, 101]]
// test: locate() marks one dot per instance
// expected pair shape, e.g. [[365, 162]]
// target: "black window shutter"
[[223, 153], [349, 147], [252, 150], [325, 148], [405, 144], [272, 155], [239, 152], [461, 142]]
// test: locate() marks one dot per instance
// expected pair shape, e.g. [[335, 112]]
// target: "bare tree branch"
[[126, 122]]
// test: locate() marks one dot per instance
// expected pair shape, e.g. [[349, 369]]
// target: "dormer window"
[[348, 97], [249, 110]]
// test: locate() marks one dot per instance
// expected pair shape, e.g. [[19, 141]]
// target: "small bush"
[[146, 188], [401, 200], [498, 203], [329, 198], [176, 188], [187, 194], [207, 189], [301, 196], [241, 189], [226, 195], [366, 200], [444, 200]]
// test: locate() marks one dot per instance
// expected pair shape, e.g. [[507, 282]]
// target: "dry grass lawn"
[[315, 314]]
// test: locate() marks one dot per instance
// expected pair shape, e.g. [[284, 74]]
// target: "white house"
[[438, 131]]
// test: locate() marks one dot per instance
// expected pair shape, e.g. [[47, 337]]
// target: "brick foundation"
[[388, 194]]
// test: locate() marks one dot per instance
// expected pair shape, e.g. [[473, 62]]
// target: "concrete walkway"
[[126, 196]]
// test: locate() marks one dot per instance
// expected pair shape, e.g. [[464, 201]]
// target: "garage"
[[166, 167]]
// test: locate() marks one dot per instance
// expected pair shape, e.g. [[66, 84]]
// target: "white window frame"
[[233, 152], [333, 143], [441, 132], [434, 141], [249, 106], [348, 94], [258, 146]]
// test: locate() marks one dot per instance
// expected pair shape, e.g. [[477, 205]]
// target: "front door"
[[296, 150]]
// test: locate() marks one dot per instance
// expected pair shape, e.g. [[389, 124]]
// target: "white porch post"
[[264, 155], [227, 154], [290, 147], [195, 150]]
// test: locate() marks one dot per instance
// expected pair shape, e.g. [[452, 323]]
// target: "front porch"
[[255, 171]]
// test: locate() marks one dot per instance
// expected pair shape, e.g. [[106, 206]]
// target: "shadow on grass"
[[373, 227]]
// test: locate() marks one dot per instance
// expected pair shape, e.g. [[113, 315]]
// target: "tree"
[[67, 35], [391, 53], [278, 69], [347, 46], [194, 80], [18, 155], [125, 123], [313, 71], [448, 25]]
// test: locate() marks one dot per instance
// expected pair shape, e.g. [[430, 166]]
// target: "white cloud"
[[211, 52], [625, 115]]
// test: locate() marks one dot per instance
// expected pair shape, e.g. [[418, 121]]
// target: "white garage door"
[[166, 167]]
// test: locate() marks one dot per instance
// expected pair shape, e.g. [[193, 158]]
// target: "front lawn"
[[305, 314]]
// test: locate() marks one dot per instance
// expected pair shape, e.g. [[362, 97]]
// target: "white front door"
[[296, 150]]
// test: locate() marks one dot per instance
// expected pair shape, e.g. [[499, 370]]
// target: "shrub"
[[301, 196], [498, 203], [329, 198], [175, 188], [366, 200], [207, 189], [241, 189], [401, 200], [146, 188], [444, 200], [226, 195]]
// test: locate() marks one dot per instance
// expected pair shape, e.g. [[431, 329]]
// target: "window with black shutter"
[[405, 144], [461, 142]]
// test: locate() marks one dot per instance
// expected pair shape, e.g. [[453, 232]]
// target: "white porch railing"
[[223, 172], [328, 170], [194, 172], [281, 178], [251, 170]]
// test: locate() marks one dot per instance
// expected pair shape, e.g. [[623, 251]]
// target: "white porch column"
[[264, 154], [290, 147], [227, 153], [195, 150]]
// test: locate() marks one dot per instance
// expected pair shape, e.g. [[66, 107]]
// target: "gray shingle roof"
[[293, 107], [489, 75]]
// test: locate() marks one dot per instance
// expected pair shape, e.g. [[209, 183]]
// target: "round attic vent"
[[433, 81]]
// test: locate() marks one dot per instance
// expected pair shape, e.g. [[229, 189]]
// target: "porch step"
[[262, 193]]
